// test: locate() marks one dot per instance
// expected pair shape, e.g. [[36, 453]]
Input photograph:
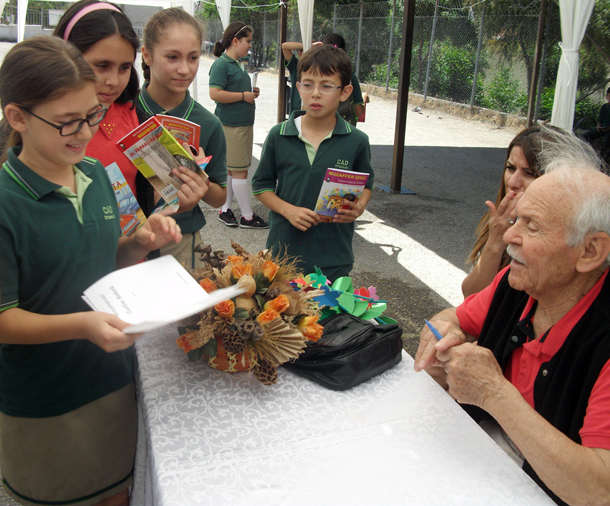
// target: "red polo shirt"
[[526, 360]]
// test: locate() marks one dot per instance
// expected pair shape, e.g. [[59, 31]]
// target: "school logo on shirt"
[[108, 212], [342, 164]]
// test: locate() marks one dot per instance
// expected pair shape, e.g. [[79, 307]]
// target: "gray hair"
[[571, 160]]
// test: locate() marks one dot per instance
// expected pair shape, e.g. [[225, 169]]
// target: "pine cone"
[[233, 343], [265, 373]]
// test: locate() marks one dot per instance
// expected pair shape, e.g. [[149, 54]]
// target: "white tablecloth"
[[214, 438]]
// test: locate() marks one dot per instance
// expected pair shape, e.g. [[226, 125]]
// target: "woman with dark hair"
[[488, 254], [108, 42]]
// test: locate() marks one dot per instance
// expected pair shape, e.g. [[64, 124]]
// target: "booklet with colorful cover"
[[131, 215], [339, 185], [155, 152], [182, 129], [152, 294]]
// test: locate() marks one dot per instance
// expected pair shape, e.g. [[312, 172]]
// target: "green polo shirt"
[[211, 139], [230, 75], [285, 169], [295, 98], [604, 115], [48, 257]]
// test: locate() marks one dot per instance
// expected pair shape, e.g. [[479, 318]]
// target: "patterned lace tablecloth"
[[213, 438]]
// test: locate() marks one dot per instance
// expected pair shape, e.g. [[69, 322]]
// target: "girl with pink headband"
[[107, 40]]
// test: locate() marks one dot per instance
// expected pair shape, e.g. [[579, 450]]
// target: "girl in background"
[[231, 89], [67, 400], [170, 59], [105, 36], [488, 255]]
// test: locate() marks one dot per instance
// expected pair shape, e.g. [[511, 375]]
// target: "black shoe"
[[228, 218], [255, 222]]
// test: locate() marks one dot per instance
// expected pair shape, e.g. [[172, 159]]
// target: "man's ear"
[[16, 117], [346, 92], [145, 56], [594, 251]]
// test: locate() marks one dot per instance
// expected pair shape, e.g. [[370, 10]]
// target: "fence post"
[[430, 51], [387, 76], [531, 104], [545, 53], [263, 56], [476, 64], [281, 91], [359, 40], [335, 18]]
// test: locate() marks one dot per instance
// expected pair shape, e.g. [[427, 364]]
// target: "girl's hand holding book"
[[193, 189]]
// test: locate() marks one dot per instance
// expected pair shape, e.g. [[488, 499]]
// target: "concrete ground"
[[412, 248]]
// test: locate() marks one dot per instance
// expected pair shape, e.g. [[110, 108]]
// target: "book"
[[339, 185], [130, 214], [155, 152], [153, 294], [182, 129]]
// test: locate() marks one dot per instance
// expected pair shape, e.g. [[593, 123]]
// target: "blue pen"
[[436, 333]]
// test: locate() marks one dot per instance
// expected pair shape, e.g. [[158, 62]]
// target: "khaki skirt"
[[78, 458], [239, 147]]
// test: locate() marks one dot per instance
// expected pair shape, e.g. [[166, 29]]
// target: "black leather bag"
[[349, 352]]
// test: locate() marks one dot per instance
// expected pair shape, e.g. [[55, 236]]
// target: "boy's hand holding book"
[[354, 211], [301, 217]]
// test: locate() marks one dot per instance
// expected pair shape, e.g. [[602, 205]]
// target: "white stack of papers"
[[152, 294]]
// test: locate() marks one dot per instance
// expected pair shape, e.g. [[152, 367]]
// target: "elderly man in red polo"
[[531, 352]]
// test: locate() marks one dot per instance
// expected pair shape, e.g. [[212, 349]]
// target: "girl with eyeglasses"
[[67, 400], [231, 89]]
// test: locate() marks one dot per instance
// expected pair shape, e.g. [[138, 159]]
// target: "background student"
[[67, 401], [170, 59], [292, 61], [294, 161], [231, 89], [105, 36]]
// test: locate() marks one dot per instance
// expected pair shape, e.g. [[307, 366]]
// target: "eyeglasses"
[[74, 126], [327, 89]]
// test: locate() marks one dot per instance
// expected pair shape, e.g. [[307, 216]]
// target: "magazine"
[[339, 185], [131, 215], [152, 294], [155, 152], [182, 129]]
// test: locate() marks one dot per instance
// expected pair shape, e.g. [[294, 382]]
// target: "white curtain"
[[224, 11], [22, 9], [575, 16], [306, 22]]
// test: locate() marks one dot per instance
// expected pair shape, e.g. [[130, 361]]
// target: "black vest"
[[563, 385]]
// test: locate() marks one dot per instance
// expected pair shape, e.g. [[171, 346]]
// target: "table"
[[213, 438]]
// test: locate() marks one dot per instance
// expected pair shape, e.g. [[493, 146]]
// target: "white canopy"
[[306, 22], [575, 16], [224, 11]]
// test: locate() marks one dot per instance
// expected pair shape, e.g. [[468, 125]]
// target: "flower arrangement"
[[263, 328]]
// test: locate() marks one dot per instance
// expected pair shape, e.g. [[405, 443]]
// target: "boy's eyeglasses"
[[74, 126], [327, 89]]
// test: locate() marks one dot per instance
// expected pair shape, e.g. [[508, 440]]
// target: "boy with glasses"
[[294, 161]]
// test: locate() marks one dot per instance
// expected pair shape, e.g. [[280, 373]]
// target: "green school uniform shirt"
[[295, 98], [52, 248], [212, 140], [230, 75], [285, 169]]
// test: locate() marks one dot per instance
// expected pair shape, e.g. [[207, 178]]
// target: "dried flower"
[[208, 285], [267, 316], [238, 268], [184, 342], [280, 303], [309, 328], [269, 270], [225, 309]]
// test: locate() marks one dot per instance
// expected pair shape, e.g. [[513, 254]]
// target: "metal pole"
[[476, 64], [263, 57], [281, 89], [335, 18], [403, 95], [545, 53], [359, 40], [430, 51], [531, 104], [387, 76]]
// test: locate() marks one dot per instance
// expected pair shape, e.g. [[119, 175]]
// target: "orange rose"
[[225, 309], [267, 315], [184, 342], [269, 270], [208, 285], [280, 303], [238, 268], [309, 328]]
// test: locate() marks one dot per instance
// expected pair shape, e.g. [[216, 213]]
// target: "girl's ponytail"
[[219, 48]]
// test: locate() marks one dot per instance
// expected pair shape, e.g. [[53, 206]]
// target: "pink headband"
[[86, 10]]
